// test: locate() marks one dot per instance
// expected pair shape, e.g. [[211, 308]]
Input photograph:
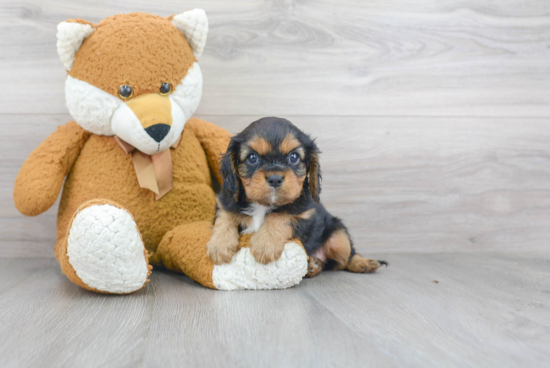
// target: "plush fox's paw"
[[105, 249], [244, 272]]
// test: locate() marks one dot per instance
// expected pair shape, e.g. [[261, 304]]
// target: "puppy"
[[271, 185]]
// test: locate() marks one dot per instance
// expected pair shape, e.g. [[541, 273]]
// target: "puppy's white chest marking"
[[257, 212]]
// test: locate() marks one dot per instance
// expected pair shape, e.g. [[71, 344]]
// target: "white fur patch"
[[245, 273], [70, 36], [194, 26], [104, 114], [90, 106], [178, 121], [106, 251], [127, 126], [189, 92], [258, 213]]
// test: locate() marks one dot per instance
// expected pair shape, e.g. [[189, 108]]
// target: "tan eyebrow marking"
[[288, 144], [260, 145]]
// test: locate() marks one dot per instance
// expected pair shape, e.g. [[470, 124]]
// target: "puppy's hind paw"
[[359, 264], [314, 267]]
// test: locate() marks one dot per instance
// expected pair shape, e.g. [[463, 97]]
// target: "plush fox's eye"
[[252, 158], [293, 158], [125, 92], [165, 89]]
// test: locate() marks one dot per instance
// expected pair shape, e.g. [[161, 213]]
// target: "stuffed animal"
[[134, 166]]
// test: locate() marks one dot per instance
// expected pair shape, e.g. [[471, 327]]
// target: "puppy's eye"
[[125, 92], [165, 89], [293, 158], [252, 158]]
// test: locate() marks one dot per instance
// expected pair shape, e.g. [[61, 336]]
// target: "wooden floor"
[[433, 120], [425, 310]]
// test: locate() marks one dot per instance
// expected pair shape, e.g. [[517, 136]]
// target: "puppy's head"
[[271, 162]]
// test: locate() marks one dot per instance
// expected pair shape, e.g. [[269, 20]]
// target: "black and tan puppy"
[[271, 187]]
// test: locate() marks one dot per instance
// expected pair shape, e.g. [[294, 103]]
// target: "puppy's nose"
[[158, 131], [275, 181]]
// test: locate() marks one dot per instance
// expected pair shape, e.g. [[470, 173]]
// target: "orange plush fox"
[[135, 166]]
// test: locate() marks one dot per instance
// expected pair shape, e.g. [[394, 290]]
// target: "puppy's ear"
[[228, 170], [314, 173]]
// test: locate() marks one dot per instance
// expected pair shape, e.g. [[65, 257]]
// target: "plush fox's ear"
[[194, 26], [70, 35]]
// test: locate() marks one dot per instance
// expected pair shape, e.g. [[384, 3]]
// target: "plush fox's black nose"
[[275, 181], [158, 131]]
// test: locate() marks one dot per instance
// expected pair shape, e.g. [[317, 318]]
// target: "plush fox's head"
[[134, 75]]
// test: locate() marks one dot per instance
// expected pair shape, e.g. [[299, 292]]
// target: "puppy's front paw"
[[265, 250], [221, 249]]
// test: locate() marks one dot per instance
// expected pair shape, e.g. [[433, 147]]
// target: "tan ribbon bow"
[[154, 172]]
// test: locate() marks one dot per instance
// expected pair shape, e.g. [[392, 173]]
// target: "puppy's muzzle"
[[275, 181]]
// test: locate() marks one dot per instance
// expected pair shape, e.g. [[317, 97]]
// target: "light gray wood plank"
[[400, 184], [52, 323], [485, 310], [248, 329], [452, 58], [16, 271], [480, 305]]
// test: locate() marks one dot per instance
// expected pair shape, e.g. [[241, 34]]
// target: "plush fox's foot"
[[183, 249], [244, 272], [105, 251]]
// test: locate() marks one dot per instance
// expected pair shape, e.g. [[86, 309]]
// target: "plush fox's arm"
[[41, 177], [214, 140]]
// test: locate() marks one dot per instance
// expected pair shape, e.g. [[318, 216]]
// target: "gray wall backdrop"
[[432, 115]]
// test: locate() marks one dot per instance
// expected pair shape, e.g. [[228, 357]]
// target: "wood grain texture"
[[431, 116], [426, 58], [485, 310], [400, 184]]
